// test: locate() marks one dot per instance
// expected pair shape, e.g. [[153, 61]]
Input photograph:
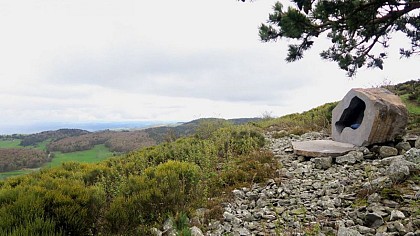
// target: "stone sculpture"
[[368, 116]]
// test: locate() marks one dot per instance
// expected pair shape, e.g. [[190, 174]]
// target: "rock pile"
[[365, 192]]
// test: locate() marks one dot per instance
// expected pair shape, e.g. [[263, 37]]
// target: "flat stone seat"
[[322, 148]]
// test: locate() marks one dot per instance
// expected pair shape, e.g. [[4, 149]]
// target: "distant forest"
[[18, 158]]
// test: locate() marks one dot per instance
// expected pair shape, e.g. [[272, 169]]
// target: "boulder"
[[368, 116], [386, 151], [396, 215], [322, 162], [400, 169], [413, 155], [373, 220], [402, 147]]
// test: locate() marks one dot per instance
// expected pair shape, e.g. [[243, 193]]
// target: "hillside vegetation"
[[409, 92], [129, 194]]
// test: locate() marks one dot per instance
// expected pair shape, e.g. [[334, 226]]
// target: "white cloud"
[[108, 60]]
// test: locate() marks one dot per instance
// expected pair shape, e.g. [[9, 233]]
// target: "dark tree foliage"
[[116, 141], [18, 158], [355, 28]]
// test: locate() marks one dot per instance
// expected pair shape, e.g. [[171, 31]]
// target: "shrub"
[[237, 140], [247, 169], [160, 191], [58, 205]]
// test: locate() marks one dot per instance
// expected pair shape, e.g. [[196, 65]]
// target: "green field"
[[14, 143], [10, 143], [96, 154], [42, 145], [4, 175]]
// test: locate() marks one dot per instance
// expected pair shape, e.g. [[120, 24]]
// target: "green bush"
[[159, 192], [237, 140], [247, 169], [64, 205]]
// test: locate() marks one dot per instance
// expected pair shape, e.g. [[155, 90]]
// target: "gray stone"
[[228, 216], [417, 143], [169, 232], [323, 163], [343, 231], [381, 229], [397, 171], [399, 227], [400, 169], [390, 203], [312, 136], [238, 193], [358, 155], [374, 197], [396, 215], [386, 151], [346, 159], [413, 155], [321, 148], [247, 216], [195, 231], [155, 232], [368, 116], [168, 224], [373, 220], [365, 230], [403, 147], [243, 232], [388, 160]]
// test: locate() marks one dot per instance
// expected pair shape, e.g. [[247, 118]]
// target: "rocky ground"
[[366, 192]]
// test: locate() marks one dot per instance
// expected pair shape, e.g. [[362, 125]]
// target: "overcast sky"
[[126, 60]]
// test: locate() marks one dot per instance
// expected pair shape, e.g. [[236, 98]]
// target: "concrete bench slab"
[[322, 148]]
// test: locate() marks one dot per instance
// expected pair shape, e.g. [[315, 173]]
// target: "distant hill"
[[116, 141], [122, 141], [34, 139], [166, 133]]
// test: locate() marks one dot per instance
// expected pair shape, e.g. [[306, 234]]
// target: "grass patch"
[[15, 143], [412, 107], [316, 119], [360, 202], [42, 145], [10, 143], [96, 154], [4, 175]]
